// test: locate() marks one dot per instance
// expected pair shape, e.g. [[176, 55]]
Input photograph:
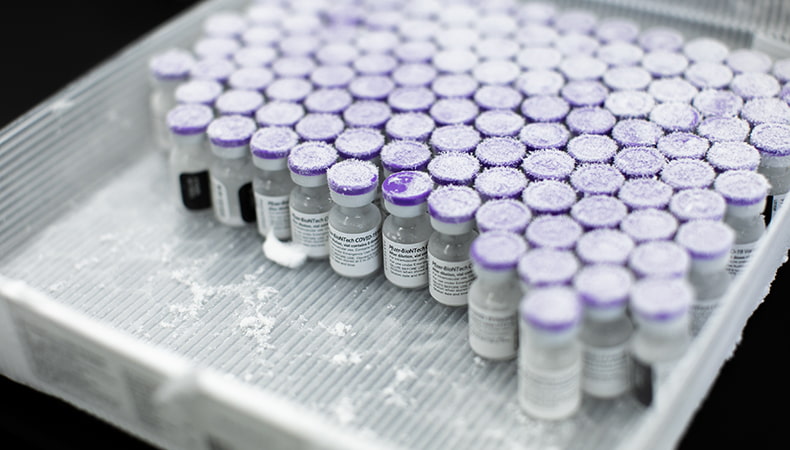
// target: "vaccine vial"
[[546, 267], [708, 243], [553, 231], [398, 156], [606, 329], [452, 210], [189, 157], [550, 355], [454, 168], [659, 259], [167, 70], [500, 152], [354, 222], [697, 204], [503, 215], [659, 308], [495, 294], [454, 138], [231, 170], [642, 193], [649, 224], [549, 197], [272, 183], [773, 143], [500, 182], [604, 246], [310, 201], [406, 231], [599, 211]]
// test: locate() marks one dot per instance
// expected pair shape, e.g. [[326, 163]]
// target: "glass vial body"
[[771, 140], [167, 70], [190, 158], [272, 182], [231, 170]]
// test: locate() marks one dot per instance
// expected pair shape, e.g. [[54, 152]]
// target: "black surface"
[[46, 45]]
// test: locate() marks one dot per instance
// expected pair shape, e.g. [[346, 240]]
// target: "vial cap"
[[332, 76], [254, 57], [384, 19], [604, 246], [299, 45], [497, 97], [590, 120], [603, 286], [251, 78], [273, 142], [771, 139], [504, 215], [675, 116], [328, 101], [224, 24], [311, 158], [498, 24], [418, 28], [405, 155], [639, 162], [636, 132], [592, 148], [660, 38], [766, 110], [455, 138], [620, 54], [672, 90], [496, 72], [643, 193], [536, 13], [702, 204], [189, 119], [544, 135], [231, 131], [705, 239], [627, 78], [658, 300], [536, 58], [724, 156], [715, 103], [289, 89], [536, 35], [293, 66], [304, 23], [547, 108], [454, 86], [662, 63], [371, 87], [544, 267], [688, 174], [359, 143], [582, 67], [549, 164], [540, 82], [599, 211], [497, 250], [709, 75], [576, 21], [659, 259], [238, 101], [558, 232], [454, 111], [617, 29], [549, 197], [411, 99], [455, 61], [367, 113], [649, 224], [499, 123], [781, 70], [377, 41], [457, 37], [407, 188], [753, 84], [415, 51], [320, 127], [748, 60], [553, 309], [171, 65], [682, 145], [706, 50], [337, 53], [214, 69], [500, 151], [592, 179], [260, 35], [719, 129], [500, 182], [585, 93], [453, 204], [352, 177], [453, 168], [742, 187], [263, 14], [630, 104], [417, 126], [282, 114], [414, 74], [215, 47]]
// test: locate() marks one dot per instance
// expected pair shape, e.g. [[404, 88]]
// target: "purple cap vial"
[[414, 74], [659, 38], [289, 89], [503, 215], [597, 179], [214, 69], [706, 50], [748, 60], [454, 111], [630, 104], [636, 132], [585, 93], [592, 148], [664, 64], [641, 193], [254, 57], [499, 123], [719, 129], [660, 300], [548, 164], [359, 143], [575, 21], [724, 156], [649, 224], [415, 51], [224, 24], [273, 143], [554, 311], [627, 78], [620, 54], [405, 190], [545, 108], [260, 36], [599, 211], [215, 47], [604, 246], [251, 79], [706, 240], [639, 162], [416, 126], [688, 174], [496, 72], [454, 138], [325, 77], [239, 102], [371, 87], [683, 145], [171, 65], [377, 42], [742, 188], [453, 205], [299, 45], [293, 66], [231, 132], [398, 156], [454, 86], [189, 119], [353, 178], [709, 75], [781, 70], [497, 97], [659, 259], [582, 67], [603, 288], [497, 251], [540, 82], [544, 267], [675, 116], [772, 140], [590, 120], [339, 53], [311, 159], [328, 101], [279, 114], [455, 61], [320, 127], [454, 168], [201, 92], [411, 99], [714, 103], [544, 135], [753, 84], [536, 13], [766, 110], [367, 113], [536, 58], [672, 90], [553, 231], [697, 204], [549, 197], [500, 151], [500, 182]]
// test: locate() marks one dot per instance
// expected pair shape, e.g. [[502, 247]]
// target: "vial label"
[[195, 190], [273, 214], [700, 311], [311, 231], [448, 281], [549, 394], [606, 371], [219, 195], [493, 334], [647, 378], [739, 256], [406, 265], [354, 255], [247, 203]]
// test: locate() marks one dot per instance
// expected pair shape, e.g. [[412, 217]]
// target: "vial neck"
[[313, 191]]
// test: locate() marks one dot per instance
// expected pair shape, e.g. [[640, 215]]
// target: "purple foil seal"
[[367, 113], [548, 164], [251, 79], [540, 82], [753, 85], [497, 97], [231, 131], [683, 145], [171, 65], [500, 151], [549, 197], [499, 123], [592, 148], [503, 215], [352, 177], [720, 129], [311, 158], [496, 72], [748, 60], [289, 89], [398, 156], [497, 250], [705, 239], [724, 156], [630, 104], [189, 119], [664, 64], [590, 120], [536, 58], [661, 39], [713, 103], [240, 102], [781, 70], [559, 232], [597, 179], [293, 66], [544, 135], [603, 286], [766, 110], [706, 50], [320, 127], [337, 53], [661, 300], [585, 93], [672, 90], [417, 126], [620, 54], [697, 204], [454, 86], [544, 267], [254, 57], [636, 132], [582, 67], [771, 139], [546, 108], [659, 259], [328, 101], [371, 87], [453, 204], [214, 69], [675, 116], [455, 61], [650, 224], [454, 168], [273, 142], [297, 45], [575, 21], [455, 138], [411, 99], [604, 246], [359, 143], [454, 111], [414, 74], [260, 36], [644, 193], [279, 114], [742, 187], [500, 182], [688, 174], [599, 211], [627, 78], [215, 47], [617, 29], [407, 188], [332, 76], [709, 75], [415, 51]]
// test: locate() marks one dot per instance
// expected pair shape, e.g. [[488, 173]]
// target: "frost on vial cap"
[[457, 37], [582, 67], [215, 47], [575, 21], [599, 211], [405, 155], [332, 76], [352, 177], [204, 92], [590, 120], [630, 104], [672, 90], [558, 232], [540, 82], [371, 87], [536, 13], [553, 309], [724, 156], [643, 193], [592, 179], [414, 74], [454, 86], [720, 129], [649, 224], [416, 126], [753, 84], [497, 97], [455, 138], [549, 164], [407, 188], [620, 54], [339, 53], [504, 215], [273, 142], [454, 168], [171, 65], [705, 239], [771, 139], [627, 78], [283, 114], [682, 145], [231, 131], [706, 50], [411, 99], [549, 197], [544, 135], [377, 41], [659, 259], [603, 286], [253, 57], [238, 101], [592, 148], [500, 182], [224, 24], [311, 158], [415, 51], [675, 116], [454, 111], [543, 267], [617, 30], [661, 300], [367, 113], [766, 110], [497, 72], [604, 246], [329, 101], [748, 60], [500, 151], [299, 45], [742, 187], [453, 204], [546, 108], [497, 250], [189, 119], [251, 78], [259, 36], [214, 69], [709, 75], [715, 103], [455, 61], [289, 89], [585, 93], [688, 174], [659, 38], [662, 63], [534, 58], [320, 127], [639, 162], [359, 143], [691, 204], [636, 132], [499, 123]]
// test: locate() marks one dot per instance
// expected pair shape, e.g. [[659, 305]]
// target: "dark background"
[[47, 44]]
